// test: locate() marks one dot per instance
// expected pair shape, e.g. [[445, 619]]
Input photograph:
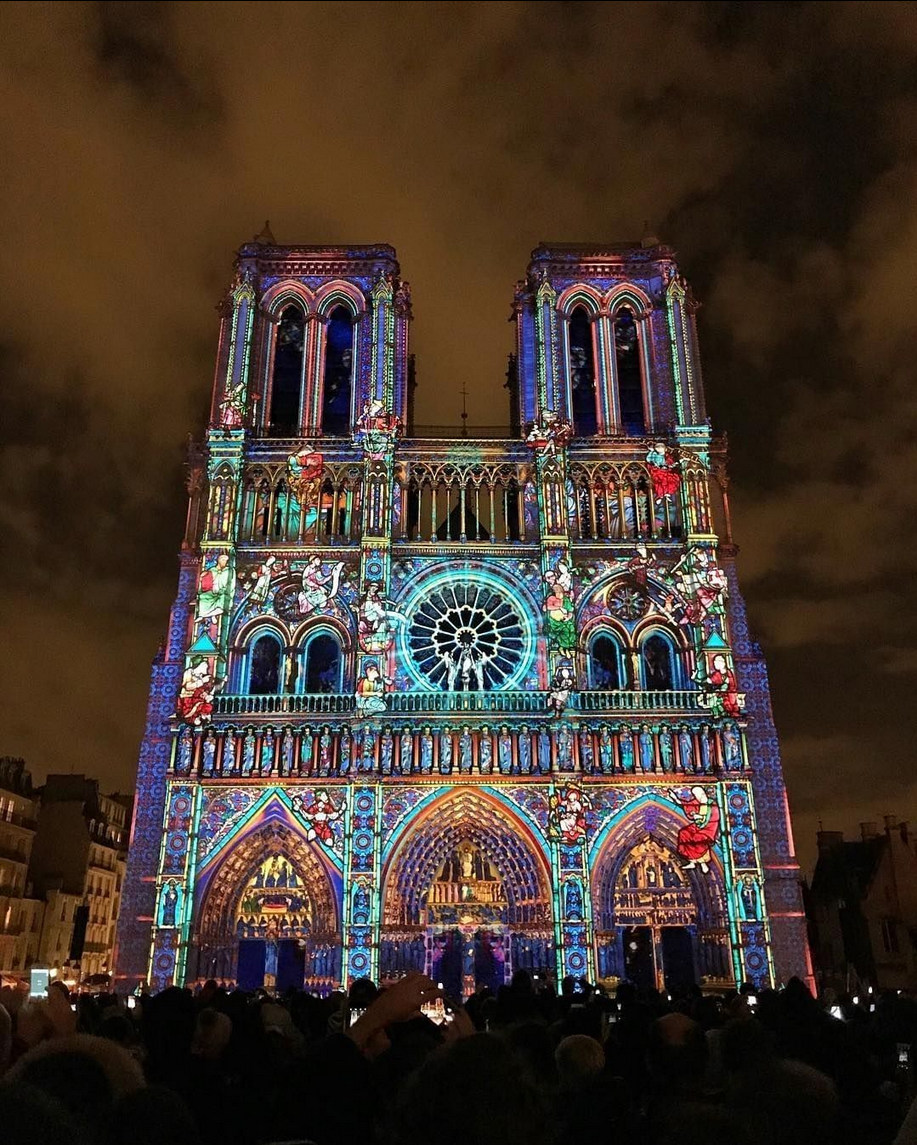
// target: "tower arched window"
[[606, 663], [629, 374], [582, 374], [659, 663], [286, 383], [264, 675], [338, 379], [323, 664]]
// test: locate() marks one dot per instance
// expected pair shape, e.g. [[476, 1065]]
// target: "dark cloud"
[[772, 144]]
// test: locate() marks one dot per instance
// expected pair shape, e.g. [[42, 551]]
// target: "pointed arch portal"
[[466, 896], [269, 913], [657, 923]]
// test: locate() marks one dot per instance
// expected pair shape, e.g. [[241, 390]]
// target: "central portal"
[[466, 919], [467, 898]]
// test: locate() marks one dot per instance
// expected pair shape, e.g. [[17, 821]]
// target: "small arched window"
[[658, 664], [338, 372], [264, 666], [629, 374], [606, 663], [582, 374], [323, 664], [286, 384]]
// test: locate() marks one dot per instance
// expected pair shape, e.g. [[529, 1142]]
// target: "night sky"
[[773, 145]]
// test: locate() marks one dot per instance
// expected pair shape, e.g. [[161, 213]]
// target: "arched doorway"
[[658, 923], [467, 897], [268, 915]]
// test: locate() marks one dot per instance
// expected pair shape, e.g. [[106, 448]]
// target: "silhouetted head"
[[677, 1052], [580, 1059]]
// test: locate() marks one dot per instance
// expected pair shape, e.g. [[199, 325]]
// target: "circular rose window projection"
[[467, 635]]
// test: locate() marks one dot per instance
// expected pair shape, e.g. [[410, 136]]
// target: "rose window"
[[467, 636], [628, 602]]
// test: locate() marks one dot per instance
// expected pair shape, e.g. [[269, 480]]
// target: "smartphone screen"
[[355, 1015], [38, 982]]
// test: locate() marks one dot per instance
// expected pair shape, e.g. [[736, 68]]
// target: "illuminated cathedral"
[[459, 701]]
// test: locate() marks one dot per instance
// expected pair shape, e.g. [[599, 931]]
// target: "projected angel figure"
[[696, 839], [304, 471], [377, 427], [320, 816]]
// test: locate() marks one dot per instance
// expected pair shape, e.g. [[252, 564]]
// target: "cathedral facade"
[[456, 701]]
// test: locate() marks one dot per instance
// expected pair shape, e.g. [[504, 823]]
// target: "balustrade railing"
[[624, 701], [309, 703], [402, 703]]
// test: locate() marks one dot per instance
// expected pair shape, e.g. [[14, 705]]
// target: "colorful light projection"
[[462, 706]]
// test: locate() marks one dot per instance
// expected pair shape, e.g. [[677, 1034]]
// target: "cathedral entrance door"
[[677, 957], [639, 957], [489, 959], [251, 963], [448, 961], [291, 965]]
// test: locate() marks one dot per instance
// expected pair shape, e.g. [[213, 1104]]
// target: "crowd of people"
[[399, 1066]]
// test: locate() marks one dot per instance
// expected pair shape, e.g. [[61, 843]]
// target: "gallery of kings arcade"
[[464, 701]]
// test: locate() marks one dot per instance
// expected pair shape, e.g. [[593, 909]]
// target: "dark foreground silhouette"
[[523, 1067]]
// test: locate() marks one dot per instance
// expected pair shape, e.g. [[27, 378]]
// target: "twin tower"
[[462, 704]]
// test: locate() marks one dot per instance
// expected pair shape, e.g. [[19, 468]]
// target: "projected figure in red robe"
[[195, 700], [662, 462], [697, 837], [320, 816], [723, 697]]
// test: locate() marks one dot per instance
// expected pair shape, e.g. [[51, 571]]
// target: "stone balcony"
[[446, 703]]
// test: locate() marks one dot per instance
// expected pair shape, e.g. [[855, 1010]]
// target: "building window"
[[286, 383], [658, 663], [264, 667], [323, 664], [338, 372], [890, 935], [582, 374], [606, 663], [629, 374]]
